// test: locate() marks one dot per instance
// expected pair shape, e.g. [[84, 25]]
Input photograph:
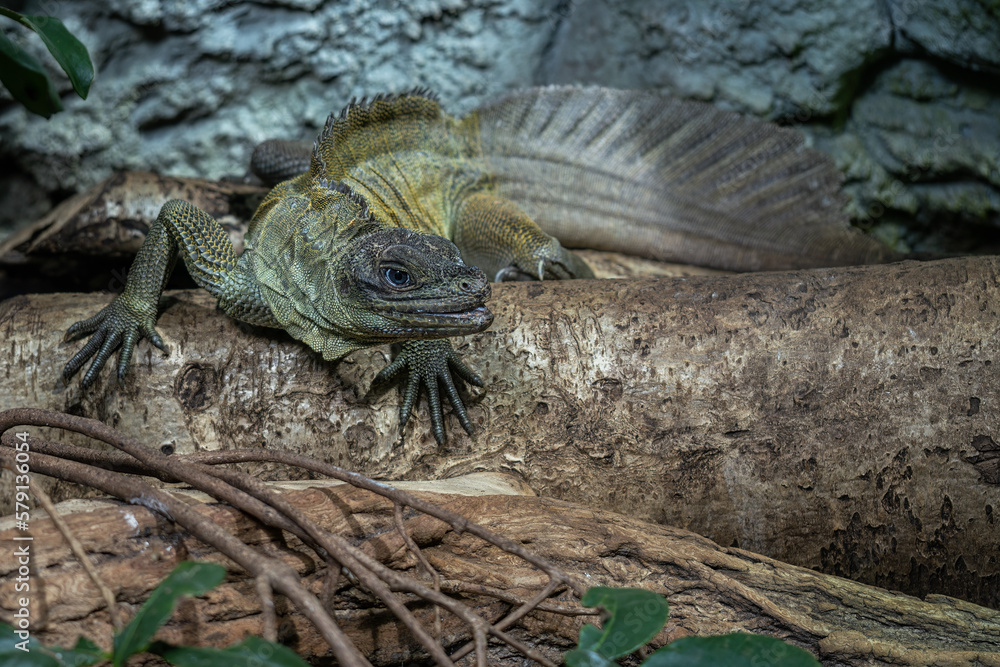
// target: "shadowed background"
[[898, 92]]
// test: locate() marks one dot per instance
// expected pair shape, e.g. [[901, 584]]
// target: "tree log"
[[89, 240], [842, 419], [711, 589], [110, 220]]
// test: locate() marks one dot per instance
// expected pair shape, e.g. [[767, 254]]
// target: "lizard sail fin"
[[675, 180], [363, 130], [386, 126]]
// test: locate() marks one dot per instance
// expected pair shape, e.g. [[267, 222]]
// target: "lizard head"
[[401, 284], [339, 280]]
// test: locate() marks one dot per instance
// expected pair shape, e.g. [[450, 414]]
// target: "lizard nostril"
[[466, 286]]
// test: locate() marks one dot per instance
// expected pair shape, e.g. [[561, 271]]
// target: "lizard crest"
[[368, 128]]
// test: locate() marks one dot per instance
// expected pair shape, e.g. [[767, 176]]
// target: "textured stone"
[[965, 33], [901, 92], [923, 147], [188, 88], [774, 59]]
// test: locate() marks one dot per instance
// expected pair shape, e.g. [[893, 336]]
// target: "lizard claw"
[[431, 363], [546, 262], [116, 325]]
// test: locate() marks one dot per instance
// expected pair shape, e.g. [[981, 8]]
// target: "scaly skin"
[[352, 253], [364, 240]]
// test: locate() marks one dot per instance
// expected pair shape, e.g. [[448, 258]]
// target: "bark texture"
[[111, 219], [711, 589], [89, 241], [842, 419]]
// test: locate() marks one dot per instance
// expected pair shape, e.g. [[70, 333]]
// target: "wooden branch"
[[711, 589], [242, 491], [110, 220], [841, 419]]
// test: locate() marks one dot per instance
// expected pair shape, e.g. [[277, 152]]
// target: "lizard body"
[[389, 228]]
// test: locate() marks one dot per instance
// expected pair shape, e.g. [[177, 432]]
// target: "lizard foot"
[[547, 262], [117, 325], [431, 363]]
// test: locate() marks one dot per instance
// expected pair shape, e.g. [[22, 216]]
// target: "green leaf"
[[251, 652], [68, 51], [35, 656], [635, 616], [735, 650], [590, 637], [188, 578], [579, 657], [83, 654], [27, 80]]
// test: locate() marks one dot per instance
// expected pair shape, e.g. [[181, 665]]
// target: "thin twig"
[[397, 516], [268, 617], [78, 551], [458, 523], [330, 582], [100, 458], [382, 580], [481, 650], [269, 513], [282, 576], [252, 496], [512, 617], [467, 587]]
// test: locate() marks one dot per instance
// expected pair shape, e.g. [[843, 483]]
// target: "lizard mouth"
[[439, 320]]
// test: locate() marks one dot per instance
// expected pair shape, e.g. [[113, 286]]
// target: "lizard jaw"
[[455, 323]]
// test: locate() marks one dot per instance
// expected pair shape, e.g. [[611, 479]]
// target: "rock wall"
[[900, 92]]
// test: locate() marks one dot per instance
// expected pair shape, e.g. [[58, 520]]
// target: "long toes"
[[456, 402], [81, 357], [125, 356], [84, 327], [465, 372], [90, 376], [389, 372], [437, 417], [107, 349], [561, 272], [409, 400], [154, 338]]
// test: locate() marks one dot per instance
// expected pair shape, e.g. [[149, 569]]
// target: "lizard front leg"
[[430, 363], [180, 229], [498, 237]]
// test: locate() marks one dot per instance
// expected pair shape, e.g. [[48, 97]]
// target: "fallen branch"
[[711, 589], [272, 509], [841, 419]]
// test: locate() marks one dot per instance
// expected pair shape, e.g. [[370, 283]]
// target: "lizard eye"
[[396, 277]]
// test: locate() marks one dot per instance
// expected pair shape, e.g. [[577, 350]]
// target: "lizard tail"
[[277, 160], [674, 180]]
